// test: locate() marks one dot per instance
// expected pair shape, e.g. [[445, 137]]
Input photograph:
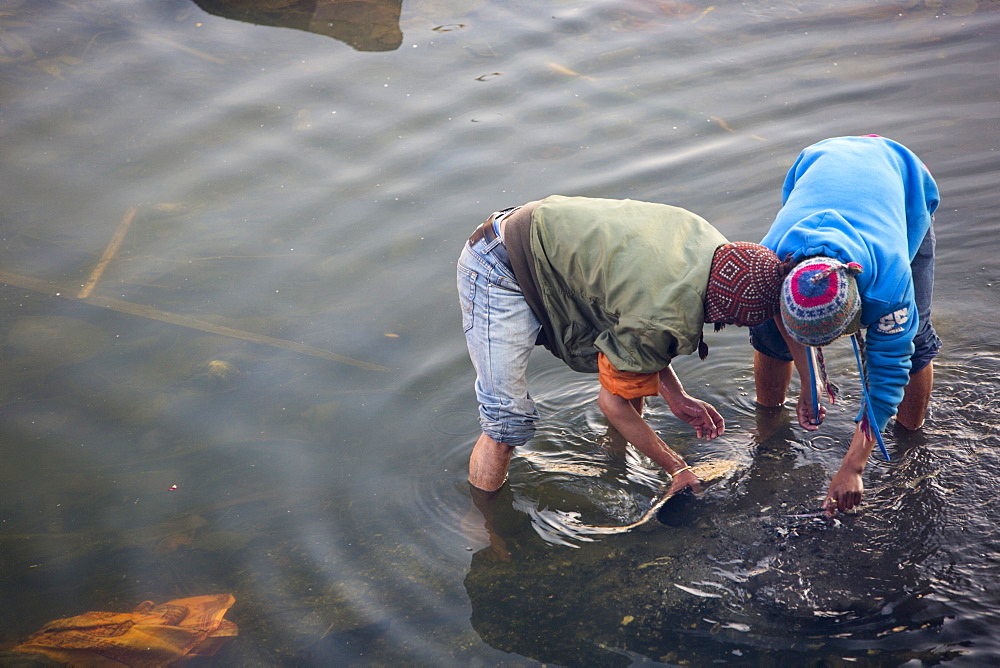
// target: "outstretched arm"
[[623, 416], [847, 488], [702, 416]]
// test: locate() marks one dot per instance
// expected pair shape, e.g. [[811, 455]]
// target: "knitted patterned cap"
[[744, 285], [820, 301]]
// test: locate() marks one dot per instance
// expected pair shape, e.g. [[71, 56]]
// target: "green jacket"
[[622, 277]]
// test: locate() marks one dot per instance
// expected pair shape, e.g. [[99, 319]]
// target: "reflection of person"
[[617, 287], [480, 525], [857, 218], [372, 25]]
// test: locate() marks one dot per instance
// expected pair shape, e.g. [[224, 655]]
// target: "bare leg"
[[771, 377], [488, 464], [769, 420], [916, 397]]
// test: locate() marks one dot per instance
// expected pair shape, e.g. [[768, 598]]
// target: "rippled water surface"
[[232, 362]]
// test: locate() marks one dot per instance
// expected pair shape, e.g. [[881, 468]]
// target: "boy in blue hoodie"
[[857, 219]]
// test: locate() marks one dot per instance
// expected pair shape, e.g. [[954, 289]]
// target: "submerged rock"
[[216, 375]]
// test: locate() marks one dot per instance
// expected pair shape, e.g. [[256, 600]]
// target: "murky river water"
[[232, 359]]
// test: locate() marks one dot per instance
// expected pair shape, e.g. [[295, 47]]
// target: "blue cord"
[[867, 400], [810, 355]]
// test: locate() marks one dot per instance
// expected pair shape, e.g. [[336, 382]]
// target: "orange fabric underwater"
[[151, 635]]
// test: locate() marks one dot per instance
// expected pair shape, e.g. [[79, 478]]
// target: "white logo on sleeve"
[[892, 323]]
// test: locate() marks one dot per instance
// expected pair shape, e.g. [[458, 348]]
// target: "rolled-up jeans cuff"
[[511, 434], [927, 345]]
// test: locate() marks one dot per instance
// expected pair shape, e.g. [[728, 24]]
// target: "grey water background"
[[314, 183]]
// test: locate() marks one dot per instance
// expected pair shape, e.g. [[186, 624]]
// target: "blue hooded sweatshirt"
[[867, 200]]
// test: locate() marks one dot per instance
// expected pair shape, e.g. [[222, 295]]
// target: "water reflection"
[[749, 567], [320, 195], [366, 25], [742, 567]]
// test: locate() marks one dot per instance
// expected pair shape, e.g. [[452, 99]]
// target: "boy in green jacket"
[[614, 287]]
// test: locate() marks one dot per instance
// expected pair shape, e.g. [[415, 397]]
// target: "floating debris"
[[722, 123], [559, 69], [150, 635], [697, 592], [109, 252]]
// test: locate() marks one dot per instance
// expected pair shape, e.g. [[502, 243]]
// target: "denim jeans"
[[767, 339], [500, 330]]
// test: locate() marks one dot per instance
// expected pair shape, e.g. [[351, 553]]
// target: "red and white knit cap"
[[744, 285]]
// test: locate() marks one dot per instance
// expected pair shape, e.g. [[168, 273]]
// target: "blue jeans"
[[767, 339], [500, 330]]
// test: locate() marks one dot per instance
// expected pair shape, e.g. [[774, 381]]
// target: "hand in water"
[[685, 480], [707, 421], [845, 492], [805, 412]]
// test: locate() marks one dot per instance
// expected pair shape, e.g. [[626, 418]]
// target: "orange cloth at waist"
[[626, 384]]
